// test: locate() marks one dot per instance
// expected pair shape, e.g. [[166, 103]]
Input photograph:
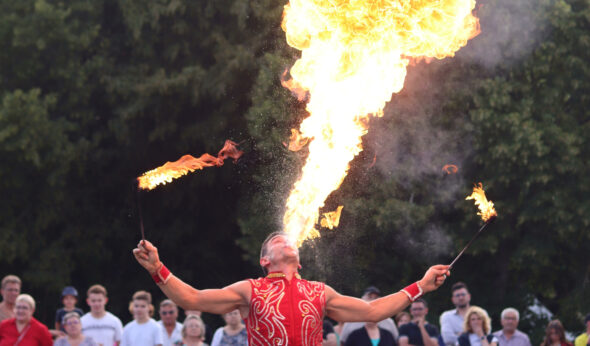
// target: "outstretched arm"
[[217, 301], [348, 309]]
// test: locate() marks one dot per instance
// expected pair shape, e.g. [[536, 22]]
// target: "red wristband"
[[161, 275], [414, 291]]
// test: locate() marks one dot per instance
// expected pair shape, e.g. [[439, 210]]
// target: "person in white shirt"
[[451, 321], [170, 327], [143, 330], [105, 328]]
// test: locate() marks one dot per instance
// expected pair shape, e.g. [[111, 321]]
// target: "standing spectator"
[[24, 329], [10, 289], [193, 332], [451, 321], [234, 332], [371, 293], [555, 335], [171, 328], [104, 327], [208, 330], [582, 339], [69, 298], [73, 327], [418, 332], [143, 330], [477, 329], [509, 335], [402, 318], [370, 335]]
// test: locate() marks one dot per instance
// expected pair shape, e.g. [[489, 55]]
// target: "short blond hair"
[[199, 321], [97, 289], [27, 299], [476, 310], [11, 279]]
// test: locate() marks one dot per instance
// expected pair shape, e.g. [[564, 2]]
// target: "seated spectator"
[[418, 332], [193, 332], [477, 329], [555, 335], [69, 298], [582, 339], [24, 329], [234, 332], [370, 335], [171, 328], [402, 318], [73, 327], [371, 293], [509, 335], [143, 330], [10, 289]]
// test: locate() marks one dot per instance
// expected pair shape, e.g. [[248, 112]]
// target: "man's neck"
[[7, 306], [170, 327], [98, 314], [288, 269], [463, 311], [142, 319], [508, 333]]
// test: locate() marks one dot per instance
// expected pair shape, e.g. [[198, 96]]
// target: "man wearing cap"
[[509, 335], [69, 298], [583, 339], [10, 289], [371, 293], [282, 308]]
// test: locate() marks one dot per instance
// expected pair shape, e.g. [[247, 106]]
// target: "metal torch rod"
[[490, 220], [140, 216]]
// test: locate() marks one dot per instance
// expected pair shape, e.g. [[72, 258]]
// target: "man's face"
[[9, 292], [418, 310], [141, 309], [461, 298], [168, 314], [279, 248], [97, 302], [509, 322]]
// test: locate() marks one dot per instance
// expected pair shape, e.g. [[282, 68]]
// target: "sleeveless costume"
[[284, 313]]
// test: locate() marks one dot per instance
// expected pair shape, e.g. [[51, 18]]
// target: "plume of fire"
[[331, 219], [354, 55], [450, 169], [186, 164], [486, 208], [296, 141]]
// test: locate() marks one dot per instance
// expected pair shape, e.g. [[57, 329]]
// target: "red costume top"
[[35, 334], [286, 312]]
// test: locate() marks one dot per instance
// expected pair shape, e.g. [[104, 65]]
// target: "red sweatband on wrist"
[[414, 291], [162, 275]]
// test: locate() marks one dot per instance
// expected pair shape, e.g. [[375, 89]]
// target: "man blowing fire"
[[282, 308]]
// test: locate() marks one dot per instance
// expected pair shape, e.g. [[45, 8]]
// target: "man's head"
[[277, 248], [141, 305], [509, 320], [97, 298], [460, 295], [10, 289], [168, 312], [419, 308], [371, 293]]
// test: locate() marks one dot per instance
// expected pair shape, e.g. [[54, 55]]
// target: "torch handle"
[[472, 240]]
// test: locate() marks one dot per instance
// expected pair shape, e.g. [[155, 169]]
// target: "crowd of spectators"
[[465, 325]]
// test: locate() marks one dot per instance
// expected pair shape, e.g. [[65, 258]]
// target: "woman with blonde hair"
[[193, 332], [24, 329], [477, 328], [555, 335]]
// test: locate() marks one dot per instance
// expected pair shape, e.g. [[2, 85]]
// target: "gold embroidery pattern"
[[312, 323], [265, 315]]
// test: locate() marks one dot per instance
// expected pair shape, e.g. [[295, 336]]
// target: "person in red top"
[[24, 329], [282, 308]]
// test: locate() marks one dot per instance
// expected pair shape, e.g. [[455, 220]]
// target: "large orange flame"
[[486, 208], [172, 170], [354, 55]]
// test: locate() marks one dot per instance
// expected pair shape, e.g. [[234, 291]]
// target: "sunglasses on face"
[[164, 313]]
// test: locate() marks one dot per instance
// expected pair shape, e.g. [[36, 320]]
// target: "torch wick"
[[490, 220]]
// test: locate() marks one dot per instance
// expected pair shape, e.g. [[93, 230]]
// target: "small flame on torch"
[[186, 164], [486, 208]]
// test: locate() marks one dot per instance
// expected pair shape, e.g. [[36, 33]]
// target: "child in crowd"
[[143, 330], [69, 298]]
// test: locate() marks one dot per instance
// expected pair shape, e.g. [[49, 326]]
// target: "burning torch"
[[486, 211]]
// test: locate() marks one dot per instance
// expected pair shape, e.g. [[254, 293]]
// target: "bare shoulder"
[[243, 288]]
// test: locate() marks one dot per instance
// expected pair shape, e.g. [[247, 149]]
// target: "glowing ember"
[[450, 169], [354, 55], [172, 170], [332, 219], [486, 208]]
